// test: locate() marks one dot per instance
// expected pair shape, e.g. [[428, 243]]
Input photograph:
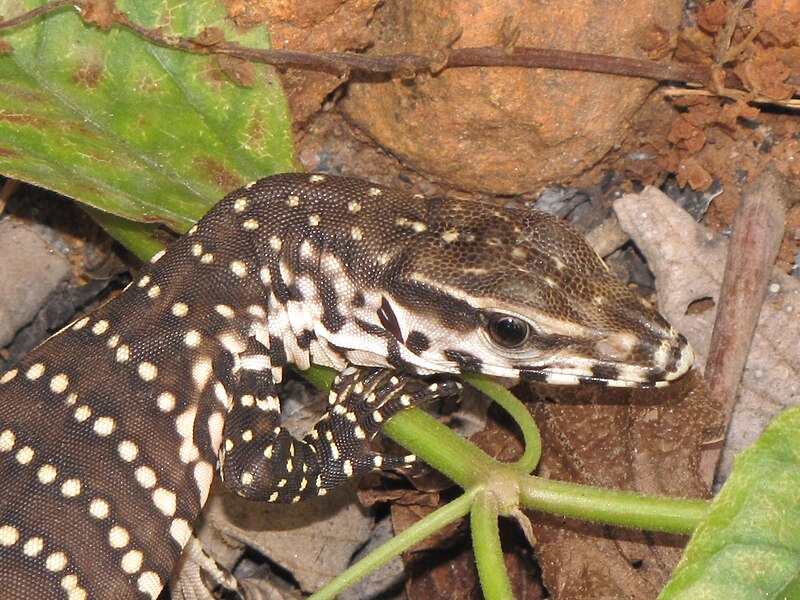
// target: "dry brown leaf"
[[313, 540], [686, 135], [712, 16], [688, 262], [781, 28], [450, 573], [648, 441], [241, 72], [766, 74], [691, 172]]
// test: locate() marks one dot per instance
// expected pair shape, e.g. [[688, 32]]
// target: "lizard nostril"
[[679, 358], [618, 346], [669, 355]]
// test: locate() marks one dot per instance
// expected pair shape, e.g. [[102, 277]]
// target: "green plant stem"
[[532, 439], [320, 377], [447, 452], [612, 507], [470, 467], [463, 462], [492, 572], [423, 528], [503, 487]]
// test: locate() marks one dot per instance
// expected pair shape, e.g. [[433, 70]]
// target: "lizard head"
[[429, 285], [515, 293]]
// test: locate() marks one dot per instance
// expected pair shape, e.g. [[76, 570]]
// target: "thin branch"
[[211, 41], [727, 33], [757, 100], [32, 14], [562, 59], [342, 62], [756, 238]]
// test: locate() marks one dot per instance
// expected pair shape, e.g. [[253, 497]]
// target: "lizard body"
[[112, 431]]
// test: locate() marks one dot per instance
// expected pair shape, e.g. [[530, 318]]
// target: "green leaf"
[[147, 133], [749, 546]]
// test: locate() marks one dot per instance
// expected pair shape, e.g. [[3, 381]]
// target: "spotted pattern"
[[179, 375]]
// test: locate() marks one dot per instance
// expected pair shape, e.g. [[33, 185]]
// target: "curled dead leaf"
[[240, 71], [657, 42], [712, 16], [686, 135], [766, 75], [730, 113], [210, 36], [691, 172], [103, 13], [782, 29]]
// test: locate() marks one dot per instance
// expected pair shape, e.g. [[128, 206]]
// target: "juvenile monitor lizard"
[[112, 430]]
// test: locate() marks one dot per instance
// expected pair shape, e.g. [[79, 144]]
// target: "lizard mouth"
[[662, 369], [640, 366]]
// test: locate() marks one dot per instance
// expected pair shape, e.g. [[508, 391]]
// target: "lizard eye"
[[508, 331]]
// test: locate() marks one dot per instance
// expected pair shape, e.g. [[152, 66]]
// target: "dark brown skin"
[[110, 431]]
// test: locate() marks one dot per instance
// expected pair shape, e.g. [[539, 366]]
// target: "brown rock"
[[512, 129]]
